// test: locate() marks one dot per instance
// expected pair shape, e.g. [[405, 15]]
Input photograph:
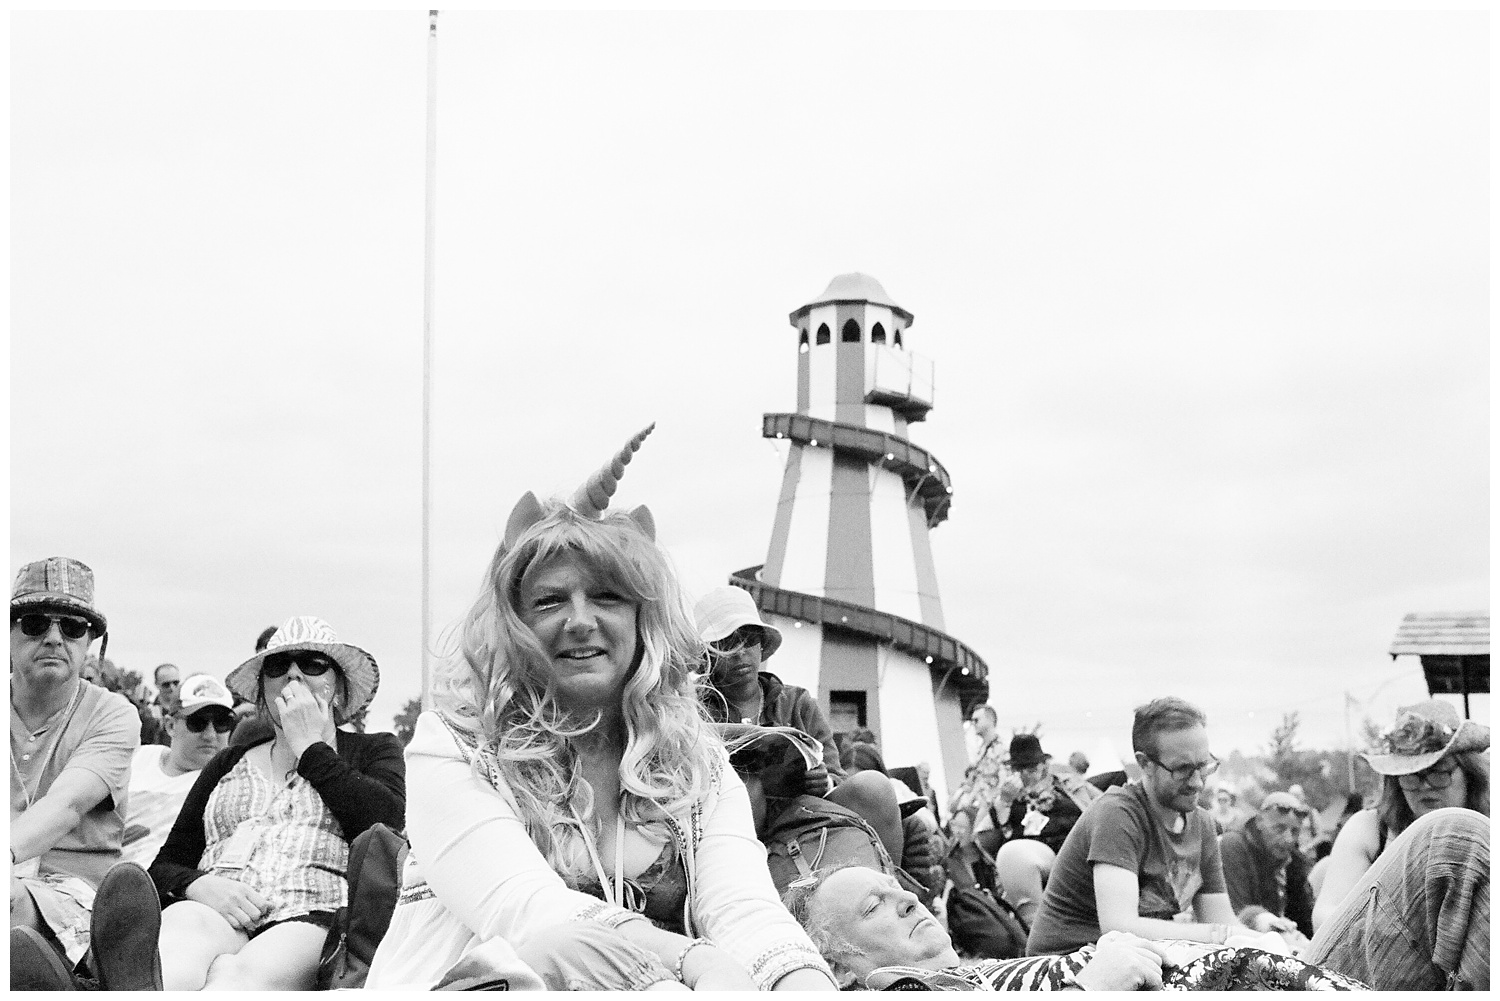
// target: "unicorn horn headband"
[[590, 500]]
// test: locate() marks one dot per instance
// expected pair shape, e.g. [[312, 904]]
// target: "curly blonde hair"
[[499, 690]]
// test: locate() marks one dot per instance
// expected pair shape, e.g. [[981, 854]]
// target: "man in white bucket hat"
[[737, 690]]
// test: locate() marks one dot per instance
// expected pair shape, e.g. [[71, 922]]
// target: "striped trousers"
[[1420, 918]]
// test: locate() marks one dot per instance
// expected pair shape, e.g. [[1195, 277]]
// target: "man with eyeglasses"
[[70, 749], [1266, 874], [160, 777], [1145, 855]]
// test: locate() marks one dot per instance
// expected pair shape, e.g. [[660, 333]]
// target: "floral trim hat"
[[1423, 734], [308, 632]]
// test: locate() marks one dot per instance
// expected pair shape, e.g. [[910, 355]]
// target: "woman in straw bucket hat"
[[1430, 759], [254, 867], [575, 823]]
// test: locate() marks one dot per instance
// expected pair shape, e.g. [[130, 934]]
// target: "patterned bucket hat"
[[307, 632], [59, 583], [1423, 734]]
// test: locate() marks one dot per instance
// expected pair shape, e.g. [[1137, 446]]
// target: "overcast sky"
[[1206, 294]]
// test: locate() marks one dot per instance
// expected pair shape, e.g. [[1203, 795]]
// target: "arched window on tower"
[[877, 334], [823, 334], [896, 338], [850, 331], [802, 342]]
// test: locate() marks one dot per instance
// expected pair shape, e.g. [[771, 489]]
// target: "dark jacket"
[[784, 705], [363, 782], [1250, 876]]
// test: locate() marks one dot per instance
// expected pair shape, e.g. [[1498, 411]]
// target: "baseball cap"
[[200, 691]]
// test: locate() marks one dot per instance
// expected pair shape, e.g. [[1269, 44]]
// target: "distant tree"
[[1283, 749], [406, 721], [108, 674]]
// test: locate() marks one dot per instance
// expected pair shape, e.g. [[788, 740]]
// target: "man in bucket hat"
[[71, 743], [737, 690]]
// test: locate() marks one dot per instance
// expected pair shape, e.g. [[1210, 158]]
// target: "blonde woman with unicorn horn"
[[575, 823]]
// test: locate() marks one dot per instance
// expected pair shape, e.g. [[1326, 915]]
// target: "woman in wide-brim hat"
[[1431, 759], [255, 866]]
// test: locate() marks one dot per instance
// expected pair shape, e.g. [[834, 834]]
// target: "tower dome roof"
[[852, 287]]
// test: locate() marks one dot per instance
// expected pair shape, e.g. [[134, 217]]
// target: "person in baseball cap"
[[160, 777]]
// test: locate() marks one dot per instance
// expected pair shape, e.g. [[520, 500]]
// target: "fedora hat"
[[1423, 734], [307, 632], [724, 609], [1025, 751], [59, 583]]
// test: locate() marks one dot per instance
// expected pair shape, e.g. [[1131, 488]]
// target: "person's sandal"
[[35, 964], [123, 931]]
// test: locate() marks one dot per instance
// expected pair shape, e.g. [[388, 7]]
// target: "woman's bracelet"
[[682, 958]]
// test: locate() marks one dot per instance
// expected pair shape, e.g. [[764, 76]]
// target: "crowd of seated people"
[[591, 806]]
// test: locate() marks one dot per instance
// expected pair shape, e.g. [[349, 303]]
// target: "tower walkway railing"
[[941, 651], [924, 475]]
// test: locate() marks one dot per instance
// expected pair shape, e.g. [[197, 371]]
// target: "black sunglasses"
[[311, 664], [743, 637], [199, 721], [36, 624]]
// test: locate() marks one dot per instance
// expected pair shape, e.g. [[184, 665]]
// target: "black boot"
[[35, 963], [123, 931]]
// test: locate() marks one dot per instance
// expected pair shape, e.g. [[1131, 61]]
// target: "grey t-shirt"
[[97, 732], [1119, 829]]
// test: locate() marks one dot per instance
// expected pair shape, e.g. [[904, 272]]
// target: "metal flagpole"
[[427, 310]]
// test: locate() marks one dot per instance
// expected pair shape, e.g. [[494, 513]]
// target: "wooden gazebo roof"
[[1452, 633]]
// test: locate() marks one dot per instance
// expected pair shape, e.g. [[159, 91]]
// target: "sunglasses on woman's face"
[[36, 624], [312, 665], [1437, 778], [198, 722]]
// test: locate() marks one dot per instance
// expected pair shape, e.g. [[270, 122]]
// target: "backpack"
[[982, 926], [812, 833], [375, 860]]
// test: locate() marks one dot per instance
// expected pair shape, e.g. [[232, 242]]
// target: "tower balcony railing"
[[899, 380], [925, 477], [940, 651]]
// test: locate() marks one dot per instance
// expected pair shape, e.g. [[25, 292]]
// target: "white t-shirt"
[[154, 802]]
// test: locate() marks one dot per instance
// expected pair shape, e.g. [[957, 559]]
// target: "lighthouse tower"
[[849, 577]]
